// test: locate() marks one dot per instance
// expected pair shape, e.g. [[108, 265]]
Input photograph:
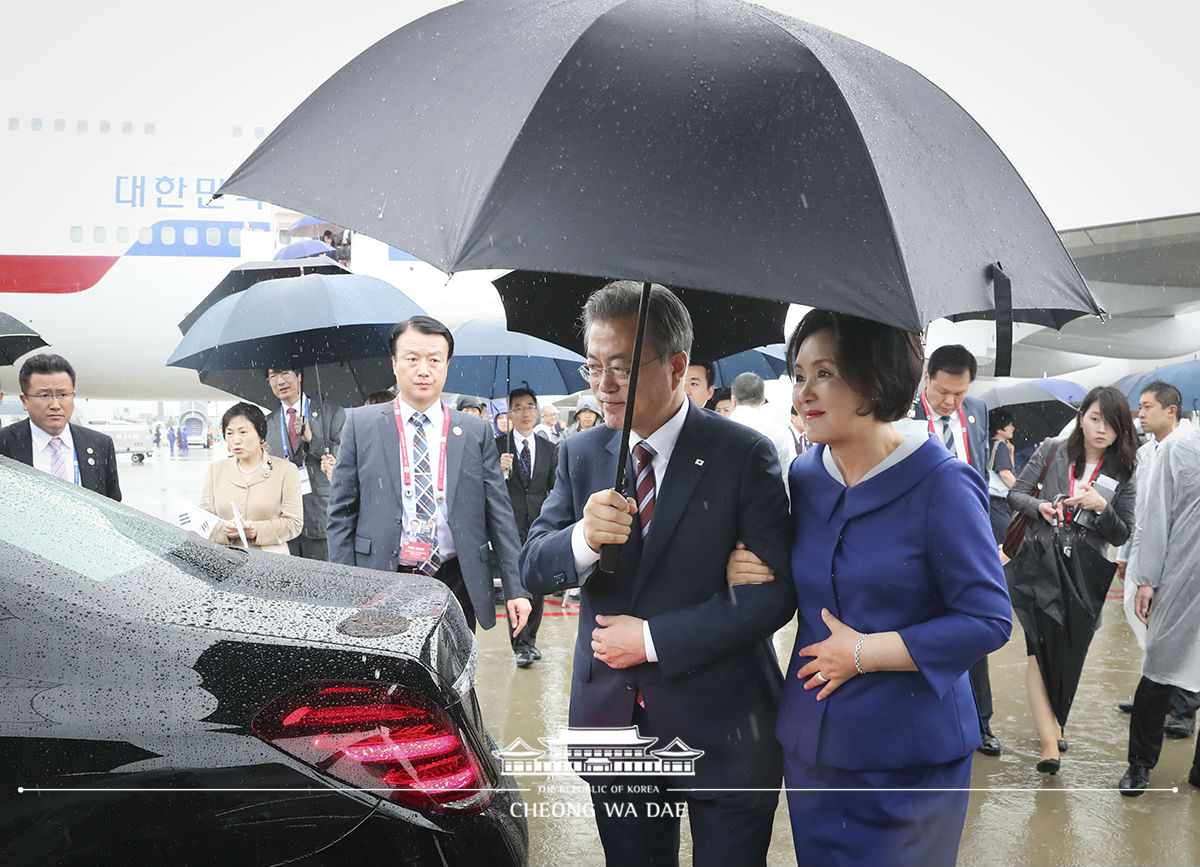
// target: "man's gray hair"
[[748, 388], [668, 325]]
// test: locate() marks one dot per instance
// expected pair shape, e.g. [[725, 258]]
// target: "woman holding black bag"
[[1059, 577]]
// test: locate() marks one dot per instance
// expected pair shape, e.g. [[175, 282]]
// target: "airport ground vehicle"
[[167, 700]]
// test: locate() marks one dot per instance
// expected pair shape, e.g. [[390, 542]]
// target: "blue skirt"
[[872, 825]]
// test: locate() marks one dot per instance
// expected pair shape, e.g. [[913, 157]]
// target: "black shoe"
[[1062, 745], [534, 652], [1194, 776], [1178, 727], [524, 657], [989, 744], [1049, 766], [1125, 706], [1135, 780]]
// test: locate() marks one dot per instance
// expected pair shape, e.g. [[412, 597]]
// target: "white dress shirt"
[[662, 441], [42, 452], [433, 436], [518, 441]]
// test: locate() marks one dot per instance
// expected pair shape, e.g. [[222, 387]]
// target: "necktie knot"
[[419, 419], [644, 455]]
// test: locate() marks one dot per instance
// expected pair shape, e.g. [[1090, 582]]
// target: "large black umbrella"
[[16, 338], [337, 322], [1057, 598], [1036, 412], [247, 274], [711, 145], [722, 324]]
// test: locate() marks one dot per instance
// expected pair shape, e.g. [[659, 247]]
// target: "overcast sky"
[[1094, 102]]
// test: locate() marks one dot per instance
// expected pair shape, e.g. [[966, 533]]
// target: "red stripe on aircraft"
[[52, 274]]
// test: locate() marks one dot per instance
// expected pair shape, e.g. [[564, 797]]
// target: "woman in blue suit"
[[900, 592]]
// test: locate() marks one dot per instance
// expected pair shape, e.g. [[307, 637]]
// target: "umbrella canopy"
[[713, 145], [490, 360], [304, 248], [247, 274], [1058, 599], [317, 319], [16, 338], [1037, 413], [548, 306], [1185, 376], [1063, 389], [769, 362]]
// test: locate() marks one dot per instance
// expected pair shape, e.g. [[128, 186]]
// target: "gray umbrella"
[[712, 144], [16, 338]]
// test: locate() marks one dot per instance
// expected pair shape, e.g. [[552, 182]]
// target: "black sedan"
[[165, 700]]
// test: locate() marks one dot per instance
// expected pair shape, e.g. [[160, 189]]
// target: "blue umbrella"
[[308, 221], [304, 248], [339, 320], [769, 362], [1127, 383], [488, 357], [1063, 389], [1185, 376]]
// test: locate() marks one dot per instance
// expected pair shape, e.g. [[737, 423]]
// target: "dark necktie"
[[643, 454], [523, 469], [948, 434], [423, 478]]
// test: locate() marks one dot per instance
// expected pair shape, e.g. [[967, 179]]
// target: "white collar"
[[299, 405], [41, 439], [434, 413], [519, 439], [663, 440]]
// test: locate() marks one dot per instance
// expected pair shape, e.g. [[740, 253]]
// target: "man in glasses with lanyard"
[[418, 486], [308, 433], [48, 441], [961, 424]]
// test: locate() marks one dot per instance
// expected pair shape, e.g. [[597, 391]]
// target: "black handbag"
[[1020, 521]]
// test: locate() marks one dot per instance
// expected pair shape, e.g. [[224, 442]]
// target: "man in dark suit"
[[307, 432], [48, 441], [663, 643], [528, 463], [417, 487], [961, 423]]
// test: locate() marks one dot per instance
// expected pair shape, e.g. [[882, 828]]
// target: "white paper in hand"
[[193, 518], [240, 524]]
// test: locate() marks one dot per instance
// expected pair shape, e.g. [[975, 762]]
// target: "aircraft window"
[[191, 236], [212, 236], [259, 132], [60, 125], [148, 129], [283, 237], [235, 237], [126, 127], [14, 123], [81, 126], [237, 132], [76, 234], [36, 124], [105, 126], [168, 235], [146, 235], [122, 234], [99, 235]]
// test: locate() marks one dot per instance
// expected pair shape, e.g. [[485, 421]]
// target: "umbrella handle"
[[609, 554]]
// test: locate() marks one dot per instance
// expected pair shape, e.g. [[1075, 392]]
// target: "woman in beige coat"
[[265, 490]]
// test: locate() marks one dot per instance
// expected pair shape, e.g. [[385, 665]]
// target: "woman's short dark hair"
[[1114, 406], [250, 413], [998, 420], [881, 362]]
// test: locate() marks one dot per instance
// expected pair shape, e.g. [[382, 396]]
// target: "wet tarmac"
[[1016, 815]]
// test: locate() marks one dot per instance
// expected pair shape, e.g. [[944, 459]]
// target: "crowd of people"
[[879, 517]]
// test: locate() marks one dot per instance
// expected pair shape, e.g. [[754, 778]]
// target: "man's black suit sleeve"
[[732, 620], [111, 483]]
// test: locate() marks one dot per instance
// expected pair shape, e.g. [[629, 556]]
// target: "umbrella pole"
[[507, 389], [610, 553]]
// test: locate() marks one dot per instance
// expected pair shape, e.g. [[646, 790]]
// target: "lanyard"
[[1071, 482], [404, 448], [962, 422], [283, 433]]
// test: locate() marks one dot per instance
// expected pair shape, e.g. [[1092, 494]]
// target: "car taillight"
[[380, 737]]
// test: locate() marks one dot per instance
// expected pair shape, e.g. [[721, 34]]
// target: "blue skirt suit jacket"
[[909, 549]]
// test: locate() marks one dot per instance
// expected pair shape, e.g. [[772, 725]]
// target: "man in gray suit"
[[418, 488], [307, 432]]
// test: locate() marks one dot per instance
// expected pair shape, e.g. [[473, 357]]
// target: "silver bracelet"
[[857, 650]]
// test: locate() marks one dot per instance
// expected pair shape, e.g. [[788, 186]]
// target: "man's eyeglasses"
[[60, 396], [593, 373], [279, 374]]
